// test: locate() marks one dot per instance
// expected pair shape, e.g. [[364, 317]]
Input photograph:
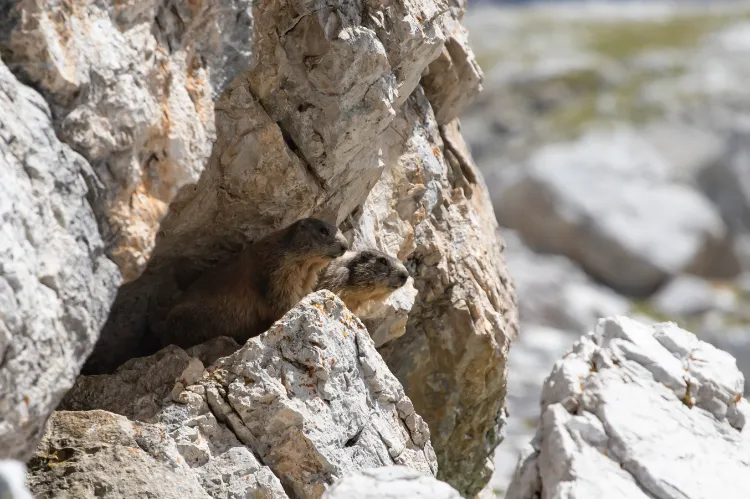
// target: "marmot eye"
[[324, 231], [382, 261]]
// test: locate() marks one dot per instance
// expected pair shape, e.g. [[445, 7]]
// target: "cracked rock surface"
[[188, 148], [99, 454], [639, 411], [131, 86], [309, 401], [56, 285]]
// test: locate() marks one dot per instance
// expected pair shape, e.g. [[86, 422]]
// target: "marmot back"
[[243, 296], [361, 276]]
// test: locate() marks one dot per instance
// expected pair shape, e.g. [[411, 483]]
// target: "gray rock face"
[[689, 295], [390, 482], [311, 398], [131, 87], [616, 214], [56, 285], [727, 183], [331, 121], [638, 411], [100, 454], [338, 95], [552, 291], [464, 314], [315, 400]]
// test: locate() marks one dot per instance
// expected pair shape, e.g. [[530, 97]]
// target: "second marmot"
[[359, 277]]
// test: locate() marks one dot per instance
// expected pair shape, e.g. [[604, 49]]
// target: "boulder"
[[131, 86], [390, 482], [334, 118], [56, 284], [687, 295], [309, 401], [727, 183], [553, 291], [99, 454], [639, 411], [608, 203]]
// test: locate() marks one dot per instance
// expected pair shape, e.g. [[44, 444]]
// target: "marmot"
[[361, 276], [242, 297]]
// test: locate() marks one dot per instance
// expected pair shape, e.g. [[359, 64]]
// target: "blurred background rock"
[[615, 141]]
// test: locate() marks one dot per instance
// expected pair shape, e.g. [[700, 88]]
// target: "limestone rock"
[[139, 388], [315, 400], [688, 295], [552, 291], [727, 183], [331, 121], [56, 285], [131, 86], [464, 315], [390, 482], [618, 215], [99, 454], [454, 78], [639, 411], [312, 398]]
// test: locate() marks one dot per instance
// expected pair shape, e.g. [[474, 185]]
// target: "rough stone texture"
[[332, 108], [298, 134], [131, 86], [637, 411], [13, 480], [100, 454], [454, 79], [315, 400], [138, 388], [56, 285], [312, 398], [608, 203], [451, 360], [390, 482], [332, 102]]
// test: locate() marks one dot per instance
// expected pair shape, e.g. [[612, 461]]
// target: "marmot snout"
[[361, 276], [243, 296]]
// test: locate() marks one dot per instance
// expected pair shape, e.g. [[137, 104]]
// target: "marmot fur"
[[358, 277], [243, 296]]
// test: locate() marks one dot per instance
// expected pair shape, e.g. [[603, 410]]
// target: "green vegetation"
[[627, 39]]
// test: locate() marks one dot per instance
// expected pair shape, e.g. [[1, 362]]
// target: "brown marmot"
[[358, 277], [243, 296]]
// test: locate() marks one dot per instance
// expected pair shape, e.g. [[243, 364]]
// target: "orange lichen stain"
[[419, 19], [436, 151], [198, 441], [738, 398], [333, 361], [157, 455], [177, 459], [26, 399]]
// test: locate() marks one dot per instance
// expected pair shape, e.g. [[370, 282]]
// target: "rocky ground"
[[614, 142]]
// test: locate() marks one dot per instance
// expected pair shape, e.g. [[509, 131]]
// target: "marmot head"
[[315, 238], [365, 274], [372, 269]]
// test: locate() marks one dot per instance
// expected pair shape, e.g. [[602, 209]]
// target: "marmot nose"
[[342, 243], [402, 277]]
